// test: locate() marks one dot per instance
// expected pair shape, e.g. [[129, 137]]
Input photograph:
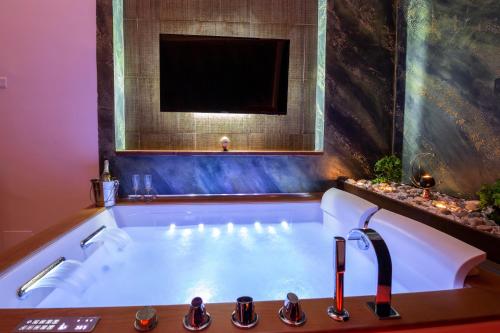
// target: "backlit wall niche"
[[146, 128]]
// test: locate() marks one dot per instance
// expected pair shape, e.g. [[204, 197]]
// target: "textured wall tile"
[[311, 12], [148, 41], [145, 9], [130, 9], [178, 9], [131, 54], [260, 11], [270, 30], [232, 29], [307, 141], [235, 11], [188, 27], [209, 10], [295, 141], [257, 141], [310, 52], [297, 11], [296, 36], [309, 107], [185, 122], [132, 140], [132, 117]]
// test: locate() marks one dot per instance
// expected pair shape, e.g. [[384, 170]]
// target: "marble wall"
[[451, 54], [358, 117]]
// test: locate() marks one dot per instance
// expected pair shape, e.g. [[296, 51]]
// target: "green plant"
[[489, 195], [388, 169]]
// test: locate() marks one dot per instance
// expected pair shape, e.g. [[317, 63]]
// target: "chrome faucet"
[[382, 304]]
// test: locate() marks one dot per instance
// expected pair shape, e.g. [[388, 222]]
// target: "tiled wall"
[[148, 128], [358, 117], [451, 109]]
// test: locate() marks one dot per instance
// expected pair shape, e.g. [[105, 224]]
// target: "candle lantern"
[[420, 175]]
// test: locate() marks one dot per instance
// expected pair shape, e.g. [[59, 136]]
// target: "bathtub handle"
[[84, 243], [21, 291]]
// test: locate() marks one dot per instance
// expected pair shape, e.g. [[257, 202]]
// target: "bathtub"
[[165, 254]]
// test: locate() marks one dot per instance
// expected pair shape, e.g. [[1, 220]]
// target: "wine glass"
[[148, 184], [136, 181]]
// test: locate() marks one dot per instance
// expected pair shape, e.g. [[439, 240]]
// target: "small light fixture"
[[224, 143], [426, 182], [420, 177]]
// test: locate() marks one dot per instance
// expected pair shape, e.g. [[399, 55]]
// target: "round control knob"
[[146, 319]]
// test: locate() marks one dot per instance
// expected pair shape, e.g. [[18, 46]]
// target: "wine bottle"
[[106, 176]]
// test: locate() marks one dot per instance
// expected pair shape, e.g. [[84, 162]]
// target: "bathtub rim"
[[25, 249], [444, 309]]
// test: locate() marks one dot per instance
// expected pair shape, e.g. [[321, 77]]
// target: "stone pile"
[[466, 212]]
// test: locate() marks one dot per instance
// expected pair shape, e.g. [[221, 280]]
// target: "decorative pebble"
[[472, 205], [444, 211], [484, 227], [466, 212]]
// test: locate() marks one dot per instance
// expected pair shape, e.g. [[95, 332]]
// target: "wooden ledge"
[[417, 310], [218, 153], [225, 198], [44, 238]]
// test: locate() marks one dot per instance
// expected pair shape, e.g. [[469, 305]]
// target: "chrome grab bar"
[[382, 304], [85, 242], [337, 310], [21, 291]]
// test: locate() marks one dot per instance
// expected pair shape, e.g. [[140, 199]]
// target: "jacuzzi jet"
[[284, 224], [197, 318]]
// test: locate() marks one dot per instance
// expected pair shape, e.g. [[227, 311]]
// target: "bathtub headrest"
[[346, 207], [439, 257]]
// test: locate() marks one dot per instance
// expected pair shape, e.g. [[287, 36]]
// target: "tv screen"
[[223, 74]]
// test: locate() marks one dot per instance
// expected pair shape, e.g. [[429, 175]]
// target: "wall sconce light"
[[224, 143]]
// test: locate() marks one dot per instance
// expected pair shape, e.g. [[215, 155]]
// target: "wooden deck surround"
[[479, 303]]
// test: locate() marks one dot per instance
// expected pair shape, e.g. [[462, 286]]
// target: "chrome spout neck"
[[382, 304], [337, 310]]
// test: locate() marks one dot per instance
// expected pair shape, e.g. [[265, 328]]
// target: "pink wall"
[[48, 113]]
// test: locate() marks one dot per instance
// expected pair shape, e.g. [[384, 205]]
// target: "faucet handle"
[[197, 318], [337, 311], [339, 254], [291, 313]]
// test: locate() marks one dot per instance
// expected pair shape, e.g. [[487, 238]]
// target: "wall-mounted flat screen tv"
[[223, 74]]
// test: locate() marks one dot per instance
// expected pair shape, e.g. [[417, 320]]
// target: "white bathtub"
[[170, 253]]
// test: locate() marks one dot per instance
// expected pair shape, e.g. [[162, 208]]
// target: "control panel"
[[58, 324]]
